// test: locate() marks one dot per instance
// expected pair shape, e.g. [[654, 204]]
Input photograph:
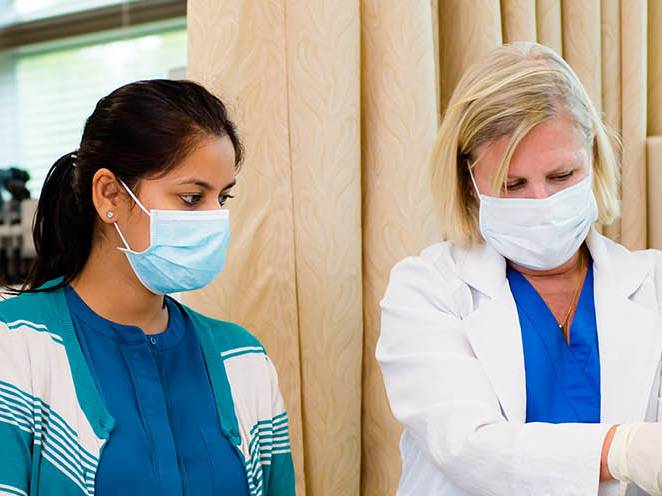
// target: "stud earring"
[[109, 214]]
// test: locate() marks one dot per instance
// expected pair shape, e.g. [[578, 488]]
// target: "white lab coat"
[[451, 356]]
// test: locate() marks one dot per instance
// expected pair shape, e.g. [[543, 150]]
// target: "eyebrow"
[[203, 184], [556, 170]]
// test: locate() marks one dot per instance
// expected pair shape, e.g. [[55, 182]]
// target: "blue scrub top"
[[167, 438], [562, 381]]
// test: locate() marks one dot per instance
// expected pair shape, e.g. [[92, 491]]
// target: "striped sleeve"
[[281, 477], [16, 418]]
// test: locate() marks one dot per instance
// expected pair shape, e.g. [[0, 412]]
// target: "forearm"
[[511, 458], [605, 475]]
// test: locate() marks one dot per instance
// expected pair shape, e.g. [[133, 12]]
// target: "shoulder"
[[436, 262], [29, 342], [32, 317], [652, 259], [647, 262], [45, 305], [22, 305], [637, 273], [431, 277]]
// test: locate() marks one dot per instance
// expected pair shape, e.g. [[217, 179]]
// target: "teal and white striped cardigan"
[[54, 425]]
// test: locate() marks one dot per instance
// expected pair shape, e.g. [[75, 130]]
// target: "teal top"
[[54, 424], [167, 438]]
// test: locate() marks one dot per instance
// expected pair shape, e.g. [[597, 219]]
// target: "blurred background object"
[[17, 210]]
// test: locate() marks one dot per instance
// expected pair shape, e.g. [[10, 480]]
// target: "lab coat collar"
[[629, 332], [626, 269], [483, 268]]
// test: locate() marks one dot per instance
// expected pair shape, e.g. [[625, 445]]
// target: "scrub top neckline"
[[129, 334], [538, 300]]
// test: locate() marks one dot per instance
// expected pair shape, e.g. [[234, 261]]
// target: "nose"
[[538, 191]]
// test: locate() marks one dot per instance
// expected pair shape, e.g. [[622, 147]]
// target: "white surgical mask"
[[539, 234]]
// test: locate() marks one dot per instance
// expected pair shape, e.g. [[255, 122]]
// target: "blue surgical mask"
[[187, 249]]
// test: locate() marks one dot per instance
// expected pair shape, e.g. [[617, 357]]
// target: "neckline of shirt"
[[129, 334]]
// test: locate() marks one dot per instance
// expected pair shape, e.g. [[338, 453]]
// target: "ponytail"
[[63, 227]]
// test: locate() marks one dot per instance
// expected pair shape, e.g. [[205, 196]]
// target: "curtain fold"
[[611, 82], [654, 158], [468, 30], [654, 68], [338, 104], [238, 50], [518, 20], [323, 67], [549, 24], [399, 127], [581, 44], [634, 219]]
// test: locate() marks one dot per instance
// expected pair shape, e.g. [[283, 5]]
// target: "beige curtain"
[[338, 103]]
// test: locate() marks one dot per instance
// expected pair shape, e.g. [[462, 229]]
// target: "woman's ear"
[[106, 195]]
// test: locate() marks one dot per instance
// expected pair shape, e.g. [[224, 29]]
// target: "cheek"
[[484, 176], [485, 186], [159, 197], [138, 230]]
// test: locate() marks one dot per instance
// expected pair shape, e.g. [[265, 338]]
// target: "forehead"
[[212, 153], [554, 143], [212, 162]]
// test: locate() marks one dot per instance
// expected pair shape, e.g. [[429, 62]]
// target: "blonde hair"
[[515, 88]]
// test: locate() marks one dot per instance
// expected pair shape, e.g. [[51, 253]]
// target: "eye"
[[514, 185], [191, 199], [563, 177], [223, 198]]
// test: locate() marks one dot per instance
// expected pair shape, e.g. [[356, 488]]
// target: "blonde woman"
[[522, 354]]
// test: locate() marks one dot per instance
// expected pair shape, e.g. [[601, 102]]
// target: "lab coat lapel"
[[629, 333], [495, 337], [493, 330]]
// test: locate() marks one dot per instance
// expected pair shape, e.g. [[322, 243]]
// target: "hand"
[[635, 455]]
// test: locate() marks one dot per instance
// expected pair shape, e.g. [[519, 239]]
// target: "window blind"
[[48, 90]]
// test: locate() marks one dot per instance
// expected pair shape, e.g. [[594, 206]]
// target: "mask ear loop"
[[126, 245], [135, 198], [117, 228], [473, 179]]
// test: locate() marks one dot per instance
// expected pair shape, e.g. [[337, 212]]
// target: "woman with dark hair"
[[108, 385]]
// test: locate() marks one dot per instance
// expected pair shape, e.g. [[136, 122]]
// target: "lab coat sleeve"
[[439, 392]]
